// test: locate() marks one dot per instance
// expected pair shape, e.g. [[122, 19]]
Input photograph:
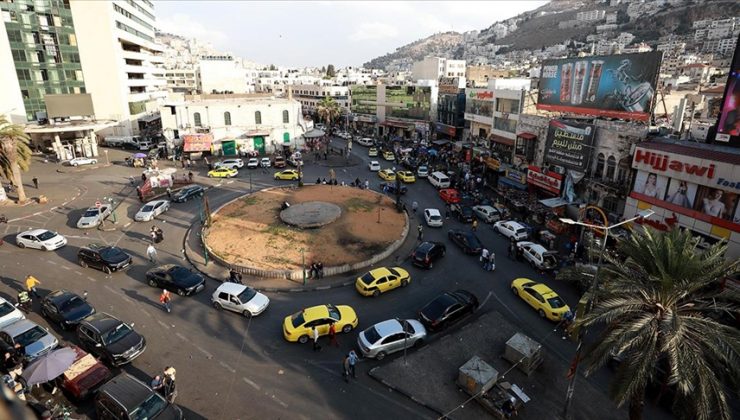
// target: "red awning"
[[527, 136], [502, 140]]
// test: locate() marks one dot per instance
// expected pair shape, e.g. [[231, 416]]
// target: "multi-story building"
[[432, 68], [121, 62], [611, 18], [310, 96], [637, 48], [182, 80], [450, 121], [725, 46], [222, 74], [591, 15], [606, 28], [509, 99], [479, 105], [478, 76]]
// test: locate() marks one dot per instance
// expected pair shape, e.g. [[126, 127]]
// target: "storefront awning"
[[554, 202], [527, 136], [510, 183], [502, 140]]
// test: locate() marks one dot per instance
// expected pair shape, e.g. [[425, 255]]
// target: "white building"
[[432, 68], [611, 18], [500, 30], [223, 74], [606, 28], [257, 123], [591, 15], [637, 48], [672, 47], [311, 95], [122, 64], [508, 103]]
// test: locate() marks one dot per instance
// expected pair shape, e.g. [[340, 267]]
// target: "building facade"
[[479, 105], [223, 74], [311, 95], [450, 121], [182, 80]]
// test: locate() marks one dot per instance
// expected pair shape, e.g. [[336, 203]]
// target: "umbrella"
[[49, 366], [432, 152], [314, 133], [139, 155]]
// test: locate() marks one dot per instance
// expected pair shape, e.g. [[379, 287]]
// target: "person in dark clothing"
[[35, 182], [319, 269], [190, 176], [143, 177], [511, 251]]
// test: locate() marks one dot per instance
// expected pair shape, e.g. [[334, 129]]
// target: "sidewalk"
[[57, 195]]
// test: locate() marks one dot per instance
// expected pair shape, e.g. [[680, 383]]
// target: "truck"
[[128, 142]]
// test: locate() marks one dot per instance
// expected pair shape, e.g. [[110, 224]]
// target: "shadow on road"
[[133, 294]]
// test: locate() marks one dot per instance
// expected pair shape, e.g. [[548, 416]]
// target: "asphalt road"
[[236, 368]]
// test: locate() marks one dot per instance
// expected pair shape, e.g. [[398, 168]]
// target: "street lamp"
[[107, 161], [590, 298]]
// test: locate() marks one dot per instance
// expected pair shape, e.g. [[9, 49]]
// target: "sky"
[[318, 33]]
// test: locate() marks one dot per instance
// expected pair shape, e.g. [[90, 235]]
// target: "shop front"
[[365, 124], [502, 147], [544, 182], [444, 131], [524, 148], [513, 179], [397, 129], [492, 170]]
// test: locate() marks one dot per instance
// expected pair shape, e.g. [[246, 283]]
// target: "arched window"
[[196, 119], [611, 167], [624, 170], [286, 117], [258, 117], [599, 171], [227, 118]]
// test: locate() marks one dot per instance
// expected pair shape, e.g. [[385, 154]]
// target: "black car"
[[125, 397], [66, 308], [467, 241], [462, 212], [110, 339], [447, 308], [103, 257], [186, 193], [426, 253], [176, 279], [391, 188]]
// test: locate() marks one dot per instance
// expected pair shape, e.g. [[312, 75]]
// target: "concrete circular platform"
[[311, 214]]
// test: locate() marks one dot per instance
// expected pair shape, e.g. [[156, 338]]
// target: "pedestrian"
[[143, 177], [157, 384], [420, 236], [169, 193], [447, 210], [345, 368], [31, 283], [35, 182], [483, 257], [131, 180], [320, 269], [414, 206], [333, 335], [151, 253], [512, 249], [367, 184], [166, 300], [153, 234], [170, 390], [352, 356], [315, 337], [475, 224], [491, 263], [190, 176]]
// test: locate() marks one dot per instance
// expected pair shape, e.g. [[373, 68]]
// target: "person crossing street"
[[31, 283], [166, 300]]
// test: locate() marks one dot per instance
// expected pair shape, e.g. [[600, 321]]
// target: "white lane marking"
[[163, 324], [51, 262], [252, 384], [181, 337], [78, 273], [202, 350], [227, 367], [278, 400], [92, 279], [126, 225], [66, 268], [110, 289]]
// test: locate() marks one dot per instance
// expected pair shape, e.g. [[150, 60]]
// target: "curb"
[[404, 393], [73, 170]]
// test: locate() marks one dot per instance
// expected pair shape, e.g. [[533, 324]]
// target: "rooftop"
[[707, 151]]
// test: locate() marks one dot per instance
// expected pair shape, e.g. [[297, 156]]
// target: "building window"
[[599, 171], [258, 117], [611, 167], [624, 170], [286, 117], [227, 118], [196, 119]]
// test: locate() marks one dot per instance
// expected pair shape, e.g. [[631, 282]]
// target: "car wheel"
[[347, 328], [516, 292], [247, 314], [541, 313], [44, 248], [94, 162], [181, 292], [303, 339], [419, 343], [380, 355], [376, 293], [217, 306], [404, 283], [107, 269], [21, 245], [152, 283], [74, 164]]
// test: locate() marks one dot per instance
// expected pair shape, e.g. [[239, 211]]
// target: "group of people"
[[316, 270], [156, 234], [487, 259], [165, 384]]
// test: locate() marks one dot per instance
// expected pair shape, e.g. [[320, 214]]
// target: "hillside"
[[678, 20], [441, 44]]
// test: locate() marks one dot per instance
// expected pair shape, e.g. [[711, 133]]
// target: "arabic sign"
[[569, 144], [618, 86], [550, 182], [196, 142]]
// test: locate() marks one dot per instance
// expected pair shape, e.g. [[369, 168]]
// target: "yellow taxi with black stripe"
[[297, 327], [389, 156], [381, 280], [222, 172], [372, 152], [387, 174], [287, 175], [406, 176], [544, 300]]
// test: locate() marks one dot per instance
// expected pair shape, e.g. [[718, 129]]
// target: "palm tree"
[[658, 311], [15, 154], [328, 109]]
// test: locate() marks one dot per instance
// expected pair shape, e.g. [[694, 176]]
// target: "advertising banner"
[[548, 182], [569, 144], [728, 126], [196, 142], [617, 86]]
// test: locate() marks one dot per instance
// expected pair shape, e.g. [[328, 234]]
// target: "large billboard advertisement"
[[728, 126], [569, 144], [616, 86]]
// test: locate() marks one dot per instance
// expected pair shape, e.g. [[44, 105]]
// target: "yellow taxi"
[[381, 280], [297, 327], [406, 176], [287, 175], [389, 156], [372, 152], [547, 303], [222, 173], [387, 174]]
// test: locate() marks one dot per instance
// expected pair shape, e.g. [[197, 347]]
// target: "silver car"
[[239, 298], [391, 336], [36, 340], [9, 313], [151, 210], [93, 216]]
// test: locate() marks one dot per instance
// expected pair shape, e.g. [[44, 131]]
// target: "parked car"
[[422, 171], [239, 298], [449, 195], [387, 175], [85, 376], [265, 162], [151, 210], [297, 327], [433, 218], [390, 188], [45, 240], [487, 214], [390, 336], [381, 280], [110, 339], [9, 313], [447, 308], [103, 257], [365, 141], [176, 278], [93, 216], [373, 166], [539, 256], [406, 176], [544, 300], [462, 212], [511, 230], [33, 338], [279, 162], [186, 193], [127, 398], [286, 175], [223, 173], [253, 163], [467, 241], [234, 163], [82, 161], [66, 308], [427, 252]]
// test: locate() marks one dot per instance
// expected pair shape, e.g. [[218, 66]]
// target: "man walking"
[[31, 283], [420, 236], [315, 336], [475, 224], [414, 206], [333, 336], [346, 368], [170, 391], [484, 257], [166, 299], [35, 182], [352, 357], [151, 253]]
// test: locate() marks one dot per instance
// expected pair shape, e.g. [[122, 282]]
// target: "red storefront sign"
[[551, 182], [663, 162]]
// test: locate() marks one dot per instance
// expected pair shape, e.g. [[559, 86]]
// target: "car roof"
[[543, 289], [433, 212], [153, 202], [315, 312], [514, 224], [127, 390], [19, 327], [60, 295], [388, 327], [102, 321], [486, 208], [427, 245], [231, 288], [35, 232], [379, 272]]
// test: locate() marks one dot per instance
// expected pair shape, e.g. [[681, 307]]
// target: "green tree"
[[15, 154], [330, 70], [658, 310], [328, 110]]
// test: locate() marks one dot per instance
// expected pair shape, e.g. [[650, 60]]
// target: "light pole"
[[303, 265], [107, 160], [590, 299]]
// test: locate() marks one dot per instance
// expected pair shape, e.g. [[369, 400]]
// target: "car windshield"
[[6, 308], [556, 302], [371, 335], [30, 336], [247, 295], [394, 272], [91, 213], [297, 319], [367, 278], [46, 235], [179, 273], [147, 208], [73, 302], [333, 312], [149, 408], [116, 334], [110, 252], [435, 217], [437, 307]]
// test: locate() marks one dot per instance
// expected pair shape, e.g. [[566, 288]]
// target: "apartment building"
[[182, 80], [432, 68], [311, 95], [223, 74], [591, 15]]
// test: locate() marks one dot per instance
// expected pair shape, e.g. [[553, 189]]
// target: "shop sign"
[[365, 118], [197, 142], [446, 129], [516, 176], [569, 144], [545, 181], [672, 165], [481, 94], [449, 85]]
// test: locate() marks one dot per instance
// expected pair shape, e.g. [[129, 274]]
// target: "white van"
[[439, 180]]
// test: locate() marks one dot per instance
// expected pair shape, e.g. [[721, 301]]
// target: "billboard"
[[616, 86], [196, 142], [728, 125], [569, 144], [69, 105], [412, 102]]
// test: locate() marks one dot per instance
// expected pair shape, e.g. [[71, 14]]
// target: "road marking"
[[78, 273], [278, 400], [181, 337], [126, 225], [163, 324], [92, 279], [66, 268], [51, 262], [252, 384], [227, 367], [202, 350]]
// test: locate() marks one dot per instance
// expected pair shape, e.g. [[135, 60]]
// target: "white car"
[[487, 213], [433, 217], [422, 171], [239, 298], [42, 239], [253, 163], [93, 216], [374, 166], [539, 256], [265, 162], [82, 161], [390, 336], [511, 229], [151, 210], [235, 163], [365, 141], [9, 313]]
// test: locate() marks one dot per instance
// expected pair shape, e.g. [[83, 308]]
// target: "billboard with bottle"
[[616, 86]]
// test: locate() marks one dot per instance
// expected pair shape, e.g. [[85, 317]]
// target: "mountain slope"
[[441, 44]]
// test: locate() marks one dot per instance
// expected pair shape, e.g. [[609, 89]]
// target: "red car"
[[449, 195], [85, 375]]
